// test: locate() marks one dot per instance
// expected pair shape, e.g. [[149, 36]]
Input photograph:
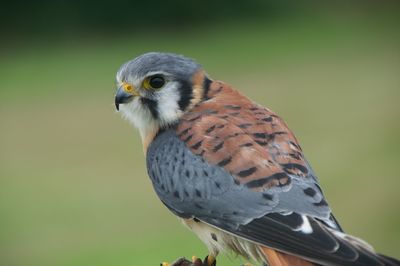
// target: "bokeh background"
[[73, 184]]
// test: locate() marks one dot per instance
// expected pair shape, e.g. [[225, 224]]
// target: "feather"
[[236, 167]]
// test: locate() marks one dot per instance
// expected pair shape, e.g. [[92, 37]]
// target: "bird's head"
[[156, 89]]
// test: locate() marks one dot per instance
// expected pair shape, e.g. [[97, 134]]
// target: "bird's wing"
[[236, 166]]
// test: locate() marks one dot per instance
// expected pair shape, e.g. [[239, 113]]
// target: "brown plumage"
[[276, 258], [247, 140]]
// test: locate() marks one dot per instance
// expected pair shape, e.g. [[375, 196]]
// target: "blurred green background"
[[73, 184]]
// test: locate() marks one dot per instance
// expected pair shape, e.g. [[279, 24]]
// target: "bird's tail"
[[366, 255], [389, 261]]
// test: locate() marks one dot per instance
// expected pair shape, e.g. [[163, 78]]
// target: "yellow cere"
[[129, 89]]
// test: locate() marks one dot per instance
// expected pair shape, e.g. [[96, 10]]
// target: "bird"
[[231, 169]]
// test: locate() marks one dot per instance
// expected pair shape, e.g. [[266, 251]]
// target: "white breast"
[[218, 241]]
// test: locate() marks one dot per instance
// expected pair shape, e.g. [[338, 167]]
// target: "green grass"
[[74, 190]]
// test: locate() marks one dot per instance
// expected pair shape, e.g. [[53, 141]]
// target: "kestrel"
[[230, 168]]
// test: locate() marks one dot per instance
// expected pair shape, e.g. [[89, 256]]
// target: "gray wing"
[[191, 187], [295, 219]]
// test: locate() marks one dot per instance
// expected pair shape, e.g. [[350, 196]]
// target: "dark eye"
[[156, 82]]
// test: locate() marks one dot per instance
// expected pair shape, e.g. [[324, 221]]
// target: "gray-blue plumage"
[[171, 64], [294, 219], [191, 187]]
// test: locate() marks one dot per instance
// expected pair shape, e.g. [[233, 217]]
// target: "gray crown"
[[176, 65]]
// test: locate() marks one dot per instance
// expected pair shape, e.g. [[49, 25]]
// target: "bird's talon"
[[209, 261], [196, 261], [184, 262]]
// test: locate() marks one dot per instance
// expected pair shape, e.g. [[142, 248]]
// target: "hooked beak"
[[122, 96]]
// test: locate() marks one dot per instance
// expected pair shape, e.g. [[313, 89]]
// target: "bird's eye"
[[156, 82]]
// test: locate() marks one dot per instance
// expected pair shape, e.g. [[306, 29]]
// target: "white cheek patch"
[[168, 111], [168, 108], [138, 115]]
